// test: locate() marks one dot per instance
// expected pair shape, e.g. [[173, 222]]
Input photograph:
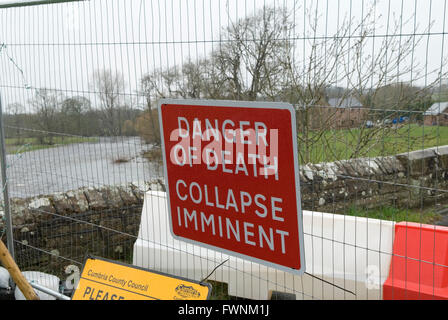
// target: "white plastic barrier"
[[4, 278], [347, 252], [46, 280]]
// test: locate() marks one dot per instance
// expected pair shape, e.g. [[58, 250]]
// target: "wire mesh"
[[80, 83]]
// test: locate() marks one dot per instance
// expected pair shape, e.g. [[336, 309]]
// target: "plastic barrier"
[[351, 252], [419, 266]]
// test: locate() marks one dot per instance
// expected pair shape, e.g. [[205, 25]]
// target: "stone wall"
[[105, 221], [408, 180], [53, 231]]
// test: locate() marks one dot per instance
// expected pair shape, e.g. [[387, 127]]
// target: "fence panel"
[[80, 82]]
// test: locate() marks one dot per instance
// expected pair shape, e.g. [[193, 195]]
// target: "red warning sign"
[[231, 171]]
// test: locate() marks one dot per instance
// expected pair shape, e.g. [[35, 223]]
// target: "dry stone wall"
[[53, 231], [408, 180]]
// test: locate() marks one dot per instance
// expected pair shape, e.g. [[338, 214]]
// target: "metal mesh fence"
[[80, 82]]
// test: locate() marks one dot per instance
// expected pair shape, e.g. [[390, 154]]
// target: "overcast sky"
[[59, 46]]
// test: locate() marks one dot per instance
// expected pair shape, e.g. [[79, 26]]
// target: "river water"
[[89, 164]]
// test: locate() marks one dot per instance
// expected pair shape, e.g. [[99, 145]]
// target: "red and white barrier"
[[346, 258]]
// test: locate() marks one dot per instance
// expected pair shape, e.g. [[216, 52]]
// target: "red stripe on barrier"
[[419, 265]]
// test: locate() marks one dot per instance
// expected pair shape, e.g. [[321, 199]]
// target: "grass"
[[14, 145], [396, 214], [340, 144]]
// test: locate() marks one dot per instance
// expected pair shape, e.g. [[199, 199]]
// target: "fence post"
[[3, 164]]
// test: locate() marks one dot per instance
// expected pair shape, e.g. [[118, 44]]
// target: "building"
[[338, 113], [437, 114]]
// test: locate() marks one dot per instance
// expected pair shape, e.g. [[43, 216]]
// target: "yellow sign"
[[106, 280]]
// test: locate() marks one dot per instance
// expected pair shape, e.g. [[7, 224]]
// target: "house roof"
[[347, 102], [436, 108]]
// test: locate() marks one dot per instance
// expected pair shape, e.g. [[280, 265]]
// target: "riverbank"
[[20, 145]]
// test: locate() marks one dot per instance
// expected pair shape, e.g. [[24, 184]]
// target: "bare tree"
[[72, 112], [46, 104], [153, 86], [109, 87], [15, 110], [251, 62], [259, 60], [345, 60]]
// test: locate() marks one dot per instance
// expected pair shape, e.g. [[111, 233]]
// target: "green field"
[[396, 214], [341, 144], [14, 145]]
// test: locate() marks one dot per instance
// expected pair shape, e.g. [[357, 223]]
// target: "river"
[[88, 164]]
